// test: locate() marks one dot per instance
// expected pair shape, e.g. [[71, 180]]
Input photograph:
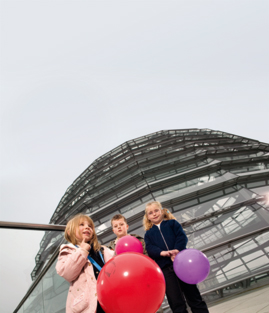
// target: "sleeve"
[[70, 262], [152, 250], [143, 244], [112, 245], [108, 254], [181, 238]]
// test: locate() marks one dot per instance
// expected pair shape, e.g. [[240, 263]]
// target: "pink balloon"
[[128, 244], [191, 266]]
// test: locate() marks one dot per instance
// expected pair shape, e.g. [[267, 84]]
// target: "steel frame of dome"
[[210, 180]]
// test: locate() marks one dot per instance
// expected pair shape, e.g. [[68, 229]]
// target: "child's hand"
[[174, 253], [166, 253], [85, 245], [170, 253]]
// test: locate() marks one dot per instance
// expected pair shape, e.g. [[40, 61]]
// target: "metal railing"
[[29, 226]]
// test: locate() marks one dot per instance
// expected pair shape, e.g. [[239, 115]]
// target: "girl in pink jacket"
[[80, 263]]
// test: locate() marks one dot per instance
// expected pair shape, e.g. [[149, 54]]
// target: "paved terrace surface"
[[255, 301]]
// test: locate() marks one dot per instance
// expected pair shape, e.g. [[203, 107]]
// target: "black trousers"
[[177, 291]]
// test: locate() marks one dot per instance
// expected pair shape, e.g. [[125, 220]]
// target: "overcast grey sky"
[[79, 78]]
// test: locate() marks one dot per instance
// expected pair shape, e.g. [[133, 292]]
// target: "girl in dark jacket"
[[165, 238]]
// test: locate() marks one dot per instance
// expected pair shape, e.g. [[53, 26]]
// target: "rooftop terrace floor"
[[253, 301]]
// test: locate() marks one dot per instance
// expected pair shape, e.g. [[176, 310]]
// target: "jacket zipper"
[[163, 238]]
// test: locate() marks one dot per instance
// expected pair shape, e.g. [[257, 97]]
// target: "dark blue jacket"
[[174, 236]]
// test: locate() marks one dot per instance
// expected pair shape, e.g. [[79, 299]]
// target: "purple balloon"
[[128, 244], [191, 266]]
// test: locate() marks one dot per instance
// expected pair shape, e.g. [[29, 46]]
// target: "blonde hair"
[[165, 212], [72, 226]]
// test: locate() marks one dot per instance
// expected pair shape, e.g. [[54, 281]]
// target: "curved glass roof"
[[210, 180]]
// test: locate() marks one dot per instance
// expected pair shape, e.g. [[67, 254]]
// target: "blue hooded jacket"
[[174, 236]]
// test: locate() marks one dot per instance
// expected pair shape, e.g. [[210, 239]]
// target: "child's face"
[[84, 231], [119, 227], [154, 214]]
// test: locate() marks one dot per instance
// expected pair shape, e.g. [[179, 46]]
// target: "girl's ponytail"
[[167, 215]]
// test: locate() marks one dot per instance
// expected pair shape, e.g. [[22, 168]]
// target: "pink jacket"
[[74, 266]]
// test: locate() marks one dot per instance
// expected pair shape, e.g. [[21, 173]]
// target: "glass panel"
[[19, 260], [256, 184], [34, 303], [55, 289], [182, 188], [248, 168], [49, 243], [237, 157], [229, 197], [229, 263], [225, 226]]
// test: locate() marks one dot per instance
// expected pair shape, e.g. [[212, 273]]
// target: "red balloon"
[[130, 282], [128, 244]]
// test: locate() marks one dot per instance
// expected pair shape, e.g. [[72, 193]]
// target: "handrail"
[[29, 226]]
